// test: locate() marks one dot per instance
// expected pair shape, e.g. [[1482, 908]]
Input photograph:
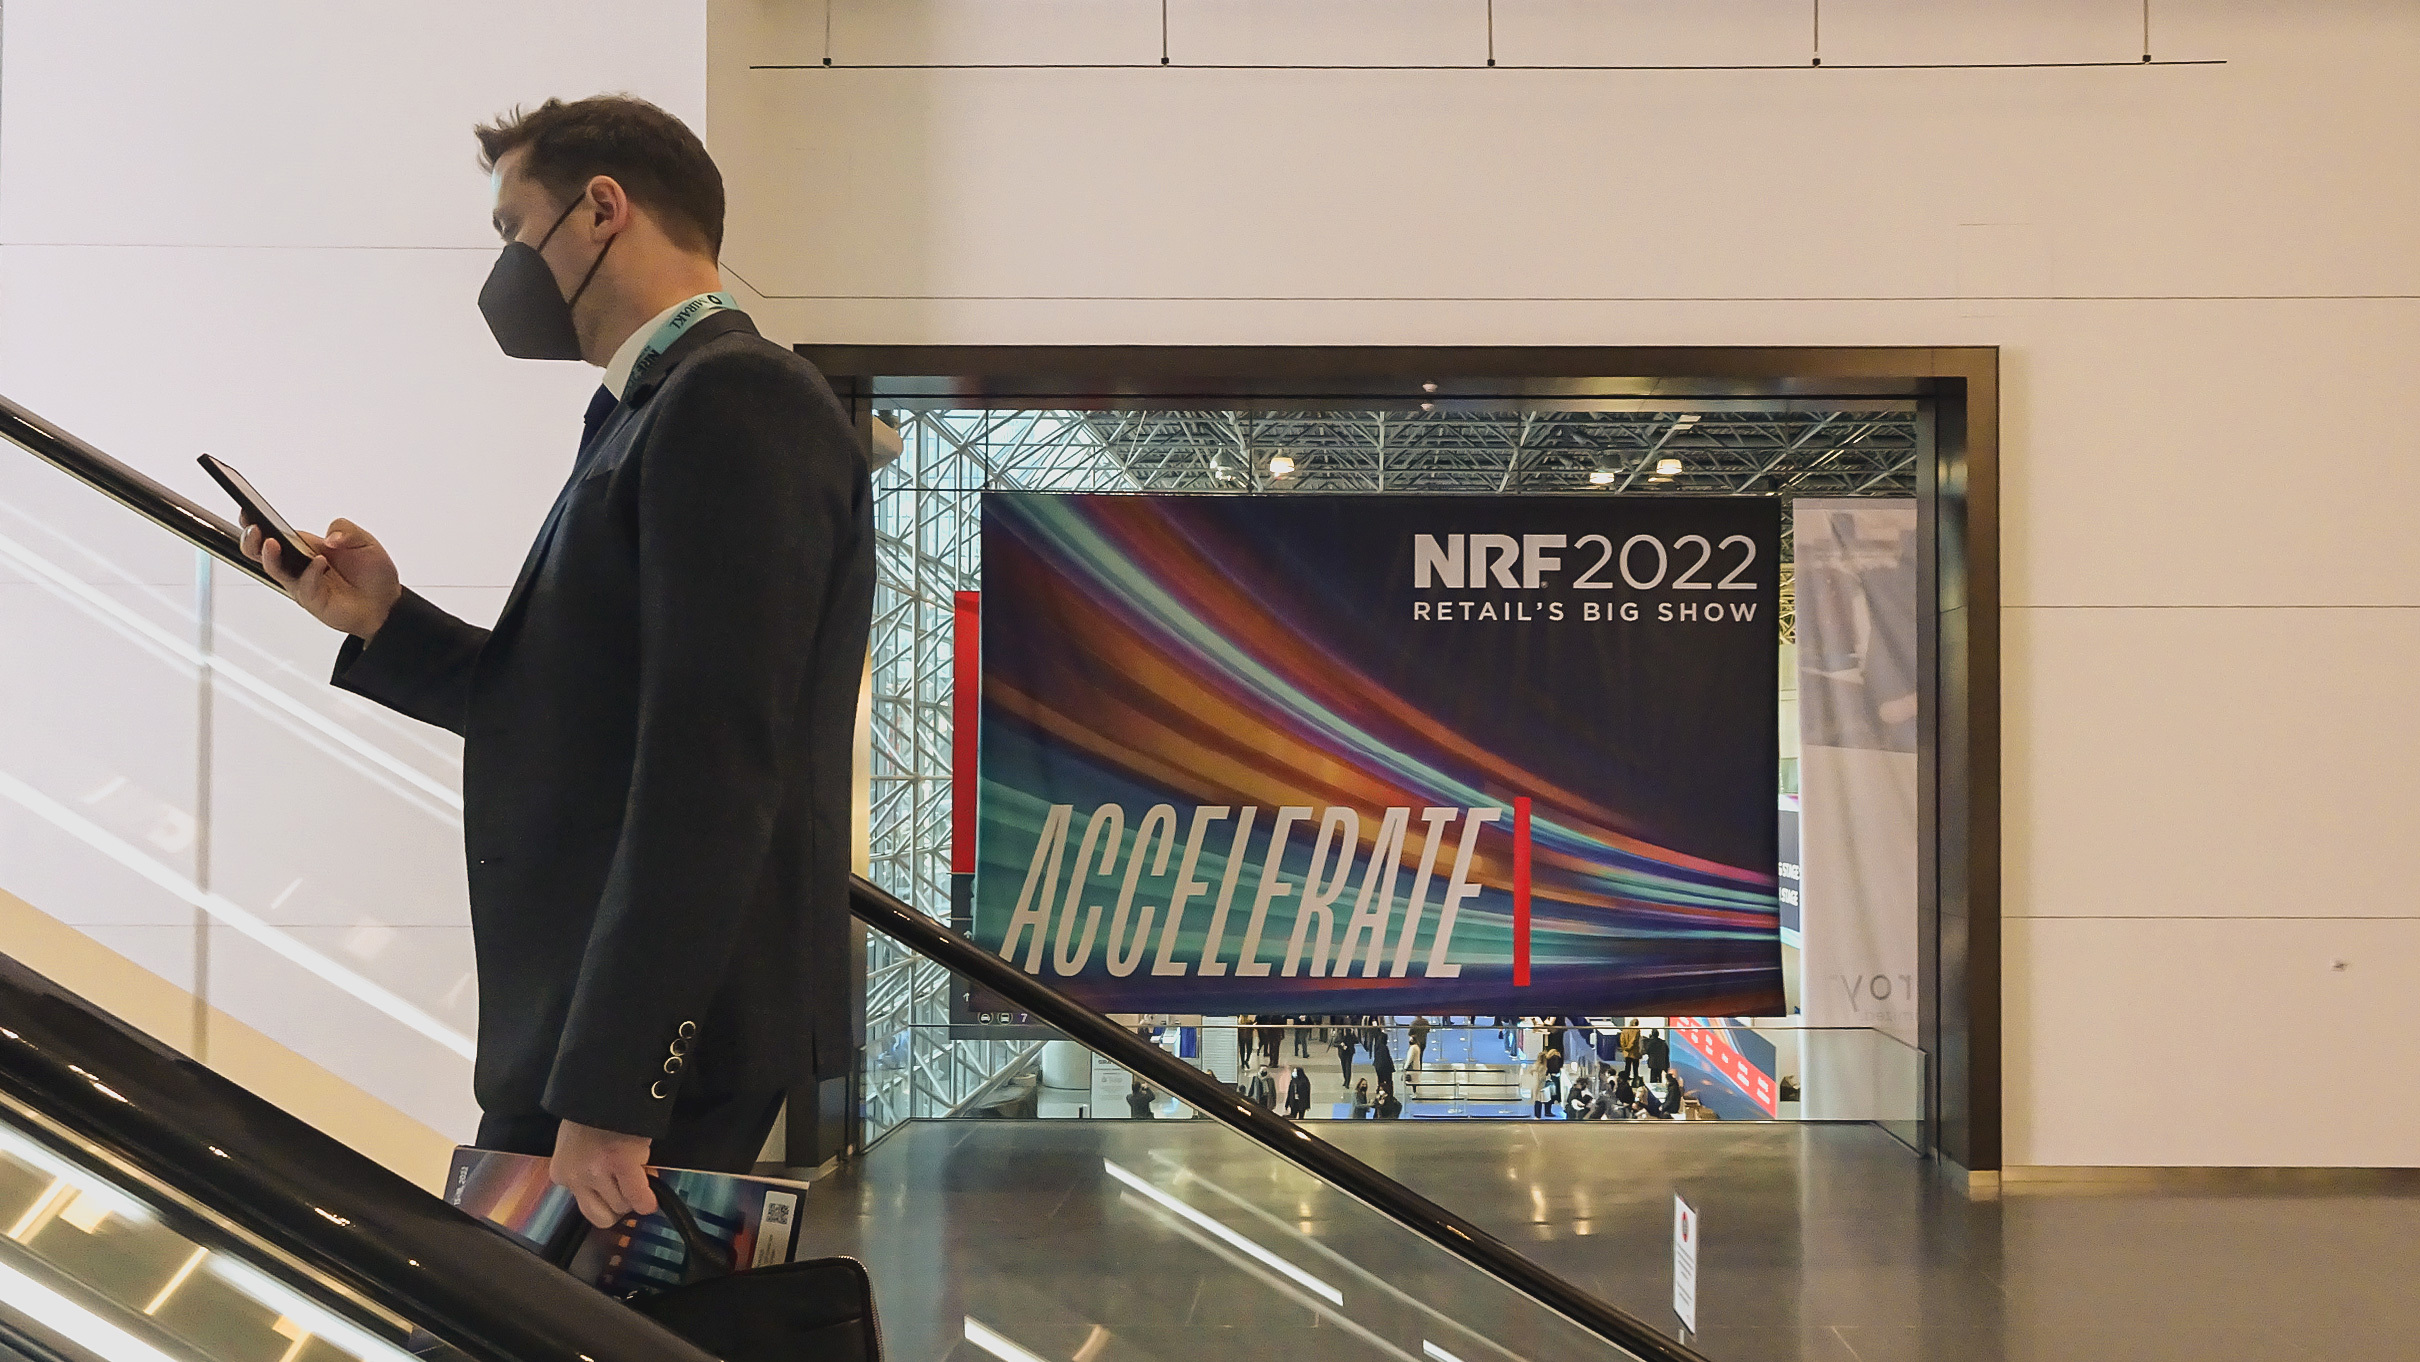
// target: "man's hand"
[[605, 1170], [349, 587]]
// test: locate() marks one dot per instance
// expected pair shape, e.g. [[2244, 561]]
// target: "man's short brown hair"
[[658, 162]]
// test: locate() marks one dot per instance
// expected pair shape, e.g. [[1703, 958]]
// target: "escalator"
[[156, 1210]]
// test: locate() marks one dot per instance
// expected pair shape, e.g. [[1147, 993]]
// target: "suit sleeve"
[[748, 488], [419, 664]]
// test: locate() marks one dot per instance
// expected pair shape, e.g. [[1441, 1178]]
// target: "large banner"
[[1857, 715], [1382, 754]]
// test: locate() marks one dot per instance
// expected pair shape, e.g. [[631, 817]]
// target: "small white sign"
[[1684, 1262]]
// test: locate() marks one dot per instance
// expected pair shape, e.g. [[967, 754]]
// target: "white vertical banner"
[[1684, 1262], [1110, 1084], [1220, 1053], [1857, 566]]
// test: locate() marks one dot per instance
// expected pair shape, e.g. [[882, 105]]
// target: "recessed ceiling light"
[[1280, 465], [1602, 477], [1667, 467], [1687, 418]]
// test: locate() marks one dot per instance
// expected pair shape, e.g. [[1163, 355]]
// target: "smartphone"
[[291, 553]]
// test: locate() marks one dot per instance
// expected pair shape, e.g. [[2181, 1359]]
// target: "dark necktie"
[[599, 407]]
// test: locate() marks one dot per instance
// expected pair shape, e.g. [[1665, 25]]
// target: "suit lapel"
[[718, 324]]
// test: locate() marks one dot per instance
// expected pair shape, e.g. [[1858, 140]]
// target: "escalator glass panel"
[[88, 1270]]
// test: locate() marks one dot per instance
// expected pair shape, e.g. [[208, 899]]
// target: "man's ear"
[[609, 206]]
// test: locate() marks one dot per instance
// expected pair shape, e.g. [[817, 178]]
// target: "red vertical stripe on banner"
[[966, 711], [1521, 892]]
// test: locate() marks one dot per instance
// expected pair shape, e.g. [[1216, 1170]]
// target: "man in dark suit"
[[657, 731]]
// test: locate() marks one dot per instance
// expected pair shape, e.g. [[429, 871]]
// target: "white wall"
[[258, 229], [2205, 282], [255, 228]]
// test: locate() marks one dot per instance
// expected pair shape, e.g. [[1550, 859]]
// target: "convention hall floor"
[[1823, 1242]]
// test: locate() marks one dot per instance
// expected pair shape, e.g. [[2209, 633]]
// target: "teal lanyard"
[[687, 315]]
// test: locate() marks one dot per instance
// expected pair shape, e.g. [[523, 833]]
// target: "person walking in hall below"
[[1533, 1085], [1260, 1089], [1659, 1055], [1298, 1093], [1301, 1028], [1415, 1049], [1632, 1049], [1344, 1052], [1361, 1100], [1382, 1057]]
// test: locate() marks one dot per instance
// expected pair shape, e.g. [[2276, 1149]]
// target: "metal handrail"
[[1296, 1145], [242, 1176], [137, 492], [934, 940]]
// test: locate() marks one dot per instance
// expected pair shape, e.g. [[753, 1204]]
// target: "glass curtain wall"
[[927, 527]]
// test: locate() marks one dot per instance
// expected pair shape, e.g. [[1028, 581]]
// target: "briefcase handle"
[[701, 1260]]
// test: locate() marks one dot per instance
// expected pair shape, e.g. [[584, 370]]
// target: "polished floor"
[[1827, 1242]]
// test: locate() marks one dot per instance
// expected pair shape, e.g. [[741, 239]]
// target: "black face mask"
[[524, 306]]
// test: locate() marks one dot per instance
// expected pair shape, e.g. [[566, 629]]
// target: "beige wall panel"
[[2236, 1044], [1376, 32], [2218, 453], [288, 123], [2210, 763], [871, 32], [1394, 184], [326, 1020], [165, 1010], [1980, 31], [1652, 32], [2277, 174]]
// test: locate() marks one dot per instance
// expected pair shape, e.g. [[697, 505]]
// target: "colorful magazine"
[[755, 1218]]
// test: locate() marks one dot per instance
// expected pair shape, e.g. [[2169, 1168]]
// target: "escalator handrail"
[[937, 942], [145, 496], [173, 1133], [1297, 1145]]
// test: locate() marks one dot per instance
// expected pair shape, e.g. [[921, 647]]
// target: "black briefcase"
[[820, 1310]]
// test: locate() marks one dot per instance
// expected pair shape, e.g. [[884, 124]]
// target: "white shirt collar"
[[617, 370]]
